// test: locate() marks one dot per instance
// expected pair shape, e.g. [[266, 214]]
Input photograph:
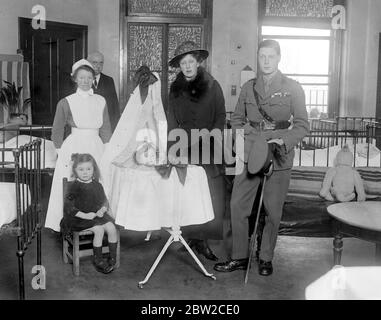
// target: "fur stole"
[[195, 89]]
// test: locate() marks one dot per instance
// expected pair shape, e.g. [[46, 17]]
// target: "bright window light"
[[306, 60], [282, 31]]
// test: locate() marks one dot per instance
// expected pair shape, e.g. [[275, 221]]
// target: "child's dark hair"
[[78, 158]]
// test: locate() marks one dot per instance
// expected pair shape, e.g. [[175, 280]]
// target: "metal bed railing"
[[319, 140], [25, 172], [348, 126]]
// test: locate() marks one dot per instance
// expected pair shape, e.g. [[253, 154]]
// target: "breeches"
[[243, 196]]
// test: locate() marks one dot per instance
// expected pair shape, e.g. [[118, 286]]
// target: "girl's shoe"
[[98, 262]]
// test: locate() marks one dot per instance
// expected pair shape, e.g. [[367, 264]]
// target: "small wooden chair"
[[76, 246], [79, 244]]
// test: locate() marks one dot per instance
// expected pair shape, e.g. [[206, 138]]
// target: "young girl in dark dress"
[[85, 208]]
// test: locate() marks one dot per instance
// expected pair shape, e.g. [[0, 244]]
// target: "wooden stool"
[[71, 248]]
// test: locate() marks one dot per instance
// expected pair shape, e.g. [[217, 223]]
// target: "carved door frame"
[[160, 19]]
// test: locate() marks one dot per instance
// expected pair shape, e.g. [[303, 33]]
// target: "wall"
[[235, 38], [108, 35], [360, 58], [70, 11], [102, 17], [234, 25], [228, 17]]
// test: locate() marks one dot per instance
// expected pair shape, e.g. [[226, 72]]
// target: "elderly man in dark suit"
[[272, 106], [104, 86]]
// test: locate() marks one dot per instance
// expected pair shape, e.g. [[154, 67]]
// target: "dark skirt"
[[69, 224], [212, 229]]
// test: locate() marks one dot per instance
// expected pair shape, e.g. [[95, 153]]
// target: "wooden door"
[[151, 32], [51, 53]]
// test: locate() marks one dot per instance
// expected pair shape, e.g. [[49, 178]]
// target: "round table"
[[357, 219]]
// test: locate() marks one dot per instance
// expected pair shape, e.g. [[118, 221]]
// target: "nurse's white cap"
[[79, 63]]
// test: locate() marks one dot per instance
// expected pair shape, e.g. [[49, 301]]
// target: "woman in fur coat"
[[196, 101]]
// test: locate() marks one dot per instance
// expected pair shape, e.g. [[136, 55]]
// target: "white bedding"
[[318, 157], [8, 202], [48, 152]]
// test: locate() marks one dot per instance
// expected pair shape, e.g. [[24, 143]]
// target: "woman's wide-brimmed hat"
[[187, 47], [80, 63]]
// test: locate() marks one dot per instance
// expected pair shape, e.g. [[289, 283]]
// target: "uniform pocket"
[[280, 101]]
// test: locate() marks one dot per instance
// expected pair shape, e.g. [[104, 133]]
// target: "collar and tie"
[[95, 83], [267, 81]]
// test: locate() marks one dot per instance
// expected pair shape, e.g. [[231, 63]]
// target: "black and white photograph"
[[189, 157]]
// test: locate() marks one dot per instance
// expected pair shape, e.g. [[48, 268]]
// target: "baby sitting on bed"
[[342, 182]]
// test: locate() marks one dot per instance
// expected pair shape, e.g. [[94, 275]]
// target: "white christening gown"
[[140, 198]]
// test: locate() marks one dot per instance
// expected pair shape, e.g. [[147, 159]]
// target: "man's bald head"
[[96, 59]]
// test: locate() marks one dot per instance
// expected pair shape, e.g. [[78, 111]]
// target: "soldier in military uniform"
[[272, 106]]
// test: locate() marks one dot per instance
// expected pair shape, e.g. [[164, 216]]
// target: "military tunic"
[[284, 100]]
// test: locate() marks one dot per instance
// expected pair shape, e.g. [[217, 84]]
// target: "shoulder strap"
[[263, 112]]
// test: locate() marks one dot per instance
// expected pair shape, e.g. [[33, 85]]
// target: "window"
[[306, 58]]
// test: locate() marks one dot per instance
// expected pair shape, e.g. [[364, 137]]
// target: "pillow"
[[8, 201], [372, 181], [306, 181], [48, 151]]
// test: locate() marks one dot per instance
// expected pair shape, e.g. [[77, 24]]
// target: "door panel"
[[151, 32], [51, 54], [154, 45], [145, 47]]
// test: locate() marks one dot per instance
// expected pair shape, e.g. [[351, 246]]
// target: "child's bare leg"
[[110, 229], [98, 235], [346, 197]]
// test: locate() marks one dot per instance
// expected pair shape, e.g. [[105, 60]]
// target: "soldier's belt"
[[266, 125]]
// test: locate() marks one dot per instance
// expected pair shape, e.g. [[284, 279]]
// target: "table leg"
[[196, 259], [166, 246], [378, 253], [337, 249]]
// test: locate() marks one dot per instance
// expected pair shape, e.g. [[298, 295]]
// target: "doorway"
[[150, 33], [51, 53]]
